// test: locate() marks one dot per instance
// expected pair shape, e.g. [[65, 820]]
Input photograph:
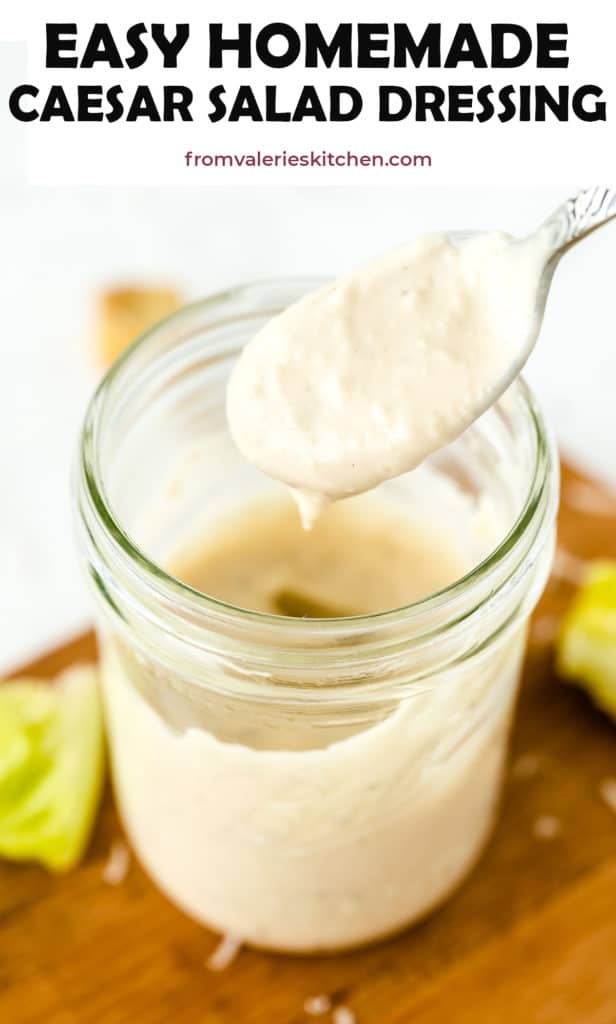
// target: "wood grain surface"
[[529, 939]]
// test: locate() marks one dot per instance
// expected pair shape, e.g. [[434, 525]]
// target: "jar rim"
[[94, 504]]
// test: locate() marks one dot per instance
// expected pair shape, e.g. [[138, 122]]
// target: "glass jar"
[[303, 784]]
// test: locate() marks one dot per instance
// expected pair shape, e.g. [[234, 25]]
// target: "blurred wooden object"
[[125, 313], [529, 939]]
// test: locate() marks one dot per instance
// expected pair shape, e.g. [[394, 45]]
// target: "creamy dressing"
[[316, 831], [323, 848], [360, 381], [362, 557]]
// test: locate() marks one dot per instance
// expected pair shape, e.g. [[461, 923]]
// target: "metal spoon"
[[573, 220], [426, 392]]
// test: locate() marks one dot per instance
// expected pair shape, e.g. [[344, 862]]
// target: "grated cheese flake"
[[314, 1006], [224, 954], [525, 767], [343, 1015], [607, 790], [547, 826], [117, 864]]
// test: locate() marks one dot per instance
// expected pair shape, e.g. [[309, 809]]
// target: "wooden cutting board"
[[529, 939]]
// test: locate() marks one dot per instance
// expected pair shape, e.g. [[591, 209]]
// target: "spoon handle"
[[578, 216]]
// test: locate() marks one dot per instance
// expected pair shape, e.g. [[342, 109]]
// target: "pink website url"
[[311, 158]]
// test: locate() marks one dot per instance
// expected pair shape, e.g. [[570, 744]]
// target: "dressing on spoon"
[[361, 380]]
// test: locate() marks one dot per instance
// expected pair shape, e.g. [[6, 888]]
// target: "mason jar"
[[300, 784]]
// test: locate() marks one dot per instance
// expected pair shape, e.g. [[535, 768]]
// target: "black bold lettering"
[[101, 48], [507, 104], [484, 98], [218, 45], [548, 44], [57, 44], [309, 105], [406, 46], [216, 99], [429, 99], [89, 103], [140, 50], [245, 105], [386, 95], [337, 93], [524, 46], [465, 47], [177, 100], [264, 38], [57, 105], [15, 105], [114, 99], [596, 112], [143, 105], [338, 49], [170, 48], [461, 103], [367, 44], [544, 100]]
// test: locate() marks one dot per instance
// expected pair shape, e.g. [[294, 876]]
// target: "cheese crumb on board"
[[607, 790], [314, 1006], [547, 826], [525, 767], [343, 1015], [544, 630], [224, 954], [588, 499], [117, 864]]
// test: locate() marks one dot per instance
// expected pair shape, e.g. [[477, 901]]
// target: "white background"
[[463, 153], [58, 248]]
